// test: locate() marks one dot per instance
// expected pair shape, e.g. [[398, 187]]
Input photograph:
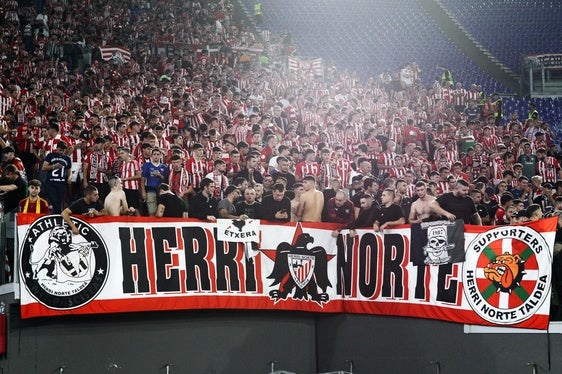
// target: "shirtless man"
[[116, 203], [311, 201], [421, 207]]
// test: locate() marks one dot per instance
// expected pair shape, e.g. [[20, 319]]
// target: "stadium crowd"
[[204, 121], [204, 116]]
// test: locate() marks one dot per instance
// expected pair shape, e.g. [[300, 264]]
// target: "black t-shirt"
[[271, 207], [365, 218], [80, 206], [482, 210], [406, 206], [328, 193], [12, 198], [256, 176], [389, 214], [355, 199], [252, 211], [173, 205], [58, 175], [543, 201], [462, 207], [201, 206], [491, 206]]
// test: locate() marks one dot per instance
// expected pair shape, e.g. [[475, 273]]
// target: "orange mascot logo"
[[505, 272]]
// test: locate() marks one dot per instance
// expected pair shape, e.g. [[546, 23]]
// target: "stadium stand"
[[125, 82], [510, 29], [370, 37]]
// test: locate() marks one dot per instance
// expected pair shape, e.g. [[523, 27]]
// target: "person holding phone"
[[277, 205]]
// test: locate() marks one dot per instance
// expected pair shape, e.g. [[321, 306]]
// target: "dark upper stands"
[[511, 29], [370, 36]]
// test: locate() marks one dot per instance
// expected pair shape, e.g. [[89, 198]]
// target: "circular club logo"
[[62, 270], [506, 274]]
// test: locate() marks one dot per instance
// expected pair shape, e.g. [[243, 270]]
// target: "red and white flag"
[[109, 53], [293, 63], [314, 66]]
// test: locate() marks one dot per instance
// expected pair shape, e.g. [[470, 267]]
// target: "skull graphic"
[[437, 248]]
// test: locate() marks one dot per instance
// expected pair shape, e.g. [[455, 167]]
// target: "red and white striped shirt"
[[51, 143], [498, 165], [162, 143], [197, 170], [442, 187], [459, 97], [134, 140], [397, 172], [96, 162], [328, 171], [490, 142], [548, 169], [303, 169], [128, 169], [386, 159], [77, 151], [241, 133], [6, 103], [343, 167], [473, 95], [451, 155], [121, 141], [478, 161], [411, 190], [178, 180], [221, 182], [351, 143], [446, 94]]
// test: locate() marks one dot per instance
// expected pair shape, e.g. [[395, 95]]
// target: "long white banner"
[[129, 264]]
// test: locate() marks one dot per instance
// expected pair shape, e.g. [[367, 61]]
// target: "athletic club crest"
[[62, 270], [506, 275], [300, 271], [301, 268]]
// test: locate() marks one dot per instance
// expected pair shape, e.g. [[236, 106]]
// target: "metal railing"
[[8, 268]]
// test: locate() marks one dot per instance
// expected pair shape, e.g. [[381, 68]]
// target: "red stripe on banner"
[[28, 218], [259, 302], [434, 312], [180, 303]]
